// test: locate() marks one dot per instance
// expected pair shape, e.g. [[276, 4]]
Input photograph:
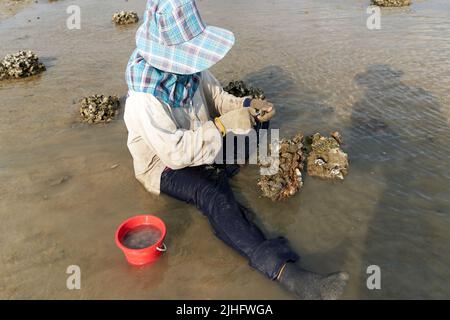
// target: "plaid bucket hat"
[[173, 38]]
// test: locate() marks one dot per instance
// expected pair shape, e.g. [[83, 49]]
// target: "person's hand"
[[262, 110], [238, 121]]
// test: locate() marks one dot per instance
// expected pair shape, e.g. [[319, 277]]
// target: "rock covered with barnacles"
[[99, 108], [125, 17], [287, 179], [391, 3], [240, 89], [281, 177], [20, 65], [326, 158]]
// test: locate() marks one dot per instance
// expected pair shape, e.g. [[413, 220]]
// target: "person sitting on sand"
[[177, 115]]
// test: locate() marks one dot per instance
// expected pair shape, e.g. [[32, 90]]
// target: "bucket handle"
[[163, 249]]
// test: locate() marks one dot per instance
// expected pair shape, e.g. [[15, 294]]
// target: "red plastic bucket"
[[139, 257]]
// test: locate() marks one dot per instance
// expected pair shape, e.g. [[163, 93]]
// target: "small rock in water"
[[99, 108], [20, 65], [287, 181], [125, 17], [391, 3], [59, 181], [141, 237], [326, 159], [240, 89]]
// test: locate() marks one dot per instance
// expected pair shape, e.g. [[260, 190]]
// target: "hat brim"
[[195, 55]]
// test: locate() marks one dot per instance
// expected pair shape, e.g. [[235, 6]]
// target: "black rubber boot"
[[308, 285]]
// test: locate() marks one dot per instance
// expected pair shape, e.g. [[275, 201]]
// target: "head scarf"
[[177, 90]]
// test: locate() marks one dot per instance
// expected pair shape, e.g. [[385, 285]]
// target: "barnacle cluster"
[[125, 17], [99, 108], [281, 172], [391, 3], [287, 179], [326, 158], [240, 89], [20, 65]]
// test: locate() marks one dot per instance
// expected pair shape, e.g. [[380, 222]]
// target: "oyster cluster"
[[125, 17], [99, 108], [391, 3], [326, 158], [281, 177], [20, 65], [287, 181], [240, 89]]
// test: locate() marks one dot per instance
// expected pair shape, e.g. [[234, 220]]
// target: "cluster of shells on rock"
[[287, 180], [125, 17], [240, 89], [99, 108], [281, 176], [20, 65], [325, 157], [391, 3]]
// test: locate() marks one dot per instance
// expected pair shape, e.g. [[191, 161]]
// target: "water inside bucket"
[[141, 237]]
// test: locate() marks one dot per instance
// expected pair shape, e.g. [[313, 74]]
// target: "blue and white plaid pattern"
[[174, 89], [174, 39], [179, 26]]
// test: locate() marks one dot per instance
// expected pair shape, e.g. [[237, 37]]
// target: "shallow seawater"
[[66, 186], [141, 237]]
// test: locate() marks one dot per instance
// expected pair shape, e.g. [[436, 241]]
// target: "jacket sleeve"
[[218, 99], [177, 148]]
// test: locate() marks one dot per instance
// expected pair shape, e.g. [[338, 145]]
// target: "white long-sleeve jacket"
[[160, 136]]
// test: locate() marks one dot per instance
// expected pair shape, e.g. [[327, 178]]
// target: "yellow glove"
[[238, 121]]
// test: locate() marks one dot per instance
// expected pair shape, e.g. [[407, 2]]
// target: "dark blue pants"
[[208, 189]]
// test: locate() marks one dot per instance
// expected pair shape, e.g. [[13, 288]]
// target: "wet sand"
[[386, 91], [9, 8]]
